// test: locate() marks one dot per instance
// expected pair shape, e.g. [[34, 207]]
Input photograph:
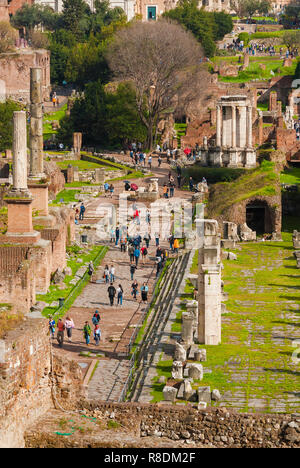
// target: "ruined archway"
[[259, 217]]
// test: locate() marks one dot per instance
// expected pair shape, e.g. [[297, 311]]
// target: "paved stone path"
[[117, 322]]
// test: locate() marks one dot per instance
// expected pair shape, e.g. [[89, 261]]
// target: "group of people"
[[68, 325]]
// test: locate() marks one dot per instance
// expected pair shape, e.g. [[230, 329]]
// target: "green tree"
[[207, 27], [35, 15], [73, 16], [107, 116], [7, 37], [6, 123]]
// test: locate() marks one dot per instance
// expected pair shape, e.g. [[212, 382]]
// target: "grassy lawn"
[[290, 176], [67, 196], [82, 165], [260, 181], [273, 68], [253, 366], [51, 117], [54, 292]]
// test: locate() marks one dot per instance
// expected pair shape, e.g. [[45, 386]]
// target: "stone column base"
[[39, 193]]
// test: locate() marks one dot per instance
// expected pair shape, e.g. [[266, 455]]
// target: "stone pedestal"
[[187, 331], [100, 175], [19, 223], [40, 197]]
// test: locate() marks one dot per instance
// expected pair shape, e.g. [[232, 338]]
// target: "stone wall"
[[25, 384], [219, 427]]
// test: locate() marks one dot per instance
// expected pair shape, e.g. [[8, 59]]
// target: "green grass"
[[262, 181], [263, 304], [255, 72], [68, 196], [50, 117], [82, 165], [55, 293], [290, 176]]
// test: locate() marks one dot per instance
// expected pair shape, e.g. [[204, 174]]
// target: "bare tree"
[[161, 59]]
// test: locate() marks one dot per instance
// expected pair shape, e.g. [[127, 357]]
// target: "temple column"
[[20, 153], [19, 199], [233, 127], [249, 127], [224, 126], [219, 120], [36, 170], [37, 179]]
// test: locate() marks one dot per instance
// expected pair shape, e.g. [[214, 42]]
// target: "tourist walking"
[[147, 239], [149, 161], [97, 334], [131, 253], [176, 245], [82, 210], [144, 292], [144, 253], [117, 235], [134, 289], [112, 274], [91, 269], [157, 235], [87, 333], [111, 293], [137, 254], [123, 244], [60, 332], [106, 274], [96, 318], [51, 326], [69, 324], [132, 270], [111, 189], [120, 294]]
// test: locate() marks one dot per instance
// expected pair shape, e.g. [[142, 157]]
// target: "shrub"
[[8, 37]]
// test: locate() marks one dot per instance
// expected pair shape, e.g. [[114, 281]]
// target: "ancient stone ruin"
[[233, 146]]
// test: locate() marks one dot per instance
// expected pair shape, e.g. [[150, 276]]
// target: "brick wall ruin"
[[25, 383], [15, 72]]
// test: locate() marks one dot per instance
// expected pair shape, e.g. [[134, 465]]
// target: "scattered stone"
[[204, 394], [215, 395], [231, 256], [196, 371], [180, 353], [200, 355], [177, 370], [202, 405], [169, 393], [58, 276]]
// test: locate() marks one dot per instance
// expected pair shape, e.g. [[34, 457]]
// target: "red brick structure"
[[15, 72], [4, 16], [16, 4]]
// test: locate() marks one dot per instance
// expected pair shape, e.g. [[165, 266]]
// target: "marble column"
[[20, 152], [224, 126], [36, 170], [233, 127], [249, 127], [219, 123]]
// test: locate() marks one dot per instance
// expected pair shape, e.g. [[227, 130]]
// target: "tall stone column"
[[249, 127], [37, 178], [219, 120], [19, 199], [20, 153], [36, 170], [233, 127], [224, 126], [209, 285]]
